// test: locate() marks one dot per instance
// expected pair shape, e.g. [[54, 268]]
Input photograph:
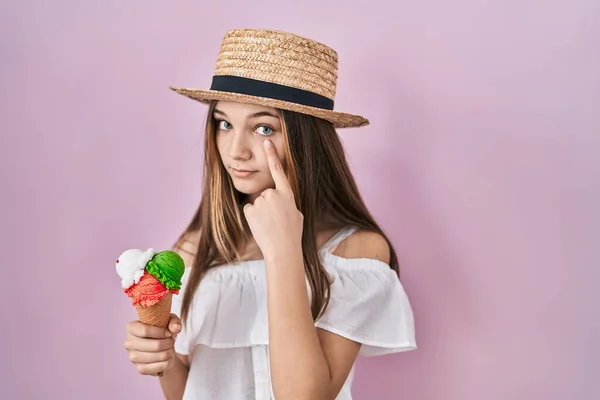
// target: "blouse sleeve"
[[368, 304]]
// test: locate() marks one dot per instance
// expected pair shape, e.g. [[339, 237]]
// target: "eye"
[[264, 130], [224, 125]]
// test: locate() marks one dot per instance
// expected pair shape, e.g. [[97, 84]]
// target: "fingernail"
[[177, 327], [268, 143], [168, 334]]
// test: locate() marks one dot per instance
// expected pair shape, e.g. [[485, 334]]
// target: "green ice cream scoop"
[[168, 267]]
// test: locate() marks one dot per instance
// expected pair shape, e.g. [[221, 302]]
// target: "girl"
[[289, 278]]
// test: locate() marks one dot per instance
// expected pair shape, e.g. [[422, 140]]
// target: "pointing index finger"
[[275, 166]]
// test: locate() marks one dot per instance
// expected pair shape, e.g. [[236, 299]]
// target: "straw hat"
[[276, 69]]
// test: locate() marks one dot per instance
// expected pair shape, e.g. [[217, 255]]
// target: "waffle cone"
[[158, 314]]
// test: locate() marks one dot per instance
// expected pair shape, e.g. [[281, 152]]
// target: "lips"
[[241, 173]]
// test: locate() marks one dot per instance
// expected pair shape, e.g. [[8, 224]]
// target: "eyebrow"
[[251, 116]]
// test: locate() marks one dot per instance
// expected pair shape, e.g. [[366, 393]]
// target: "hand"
[[274, 220], [151, 349]]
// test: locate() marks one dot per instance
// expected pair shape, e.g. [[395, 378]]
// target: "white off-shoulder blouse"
[[227, 335]]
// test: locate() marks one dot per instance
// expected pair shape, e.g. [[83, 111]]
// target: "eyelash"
[[268, 127], [220, 121]]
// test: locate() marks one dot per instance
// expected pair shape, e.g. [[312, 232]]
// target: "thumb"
[[175, 324]]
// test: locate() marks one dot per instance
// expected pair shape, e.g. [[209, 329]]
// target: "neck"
[[251, 197]]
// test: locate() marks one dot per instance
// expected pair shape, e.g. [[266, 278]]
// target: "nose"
[[239, 149]]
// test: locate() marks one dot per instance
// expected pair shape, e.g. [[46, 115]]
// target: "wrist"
[[173, 368], [284, 255]]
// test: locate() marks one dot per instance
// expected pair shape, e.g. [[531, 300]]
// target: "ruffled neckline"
[[330, 260]]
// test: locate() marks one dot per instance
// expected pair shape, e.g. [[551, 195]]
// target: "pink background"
[[481, 162]]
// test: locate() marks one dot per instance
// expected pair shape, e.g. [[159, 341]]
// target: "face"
[[241, 131]]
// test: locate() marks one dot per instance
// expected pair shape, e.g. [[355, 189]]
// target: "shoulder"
[[187, 246], [364, 244]]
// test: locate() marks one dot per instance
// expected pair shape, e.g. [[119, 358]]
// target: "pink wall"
[[482, 162]]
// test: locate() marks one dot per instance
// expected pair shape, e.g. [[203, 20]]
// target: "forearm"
[[299, 369], [174, 379]]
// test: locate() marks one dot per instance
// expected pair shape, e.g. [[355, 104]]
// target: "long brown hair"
[[324, 188]]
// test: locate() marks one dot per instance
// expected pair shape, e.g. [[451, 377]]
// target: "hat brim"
[[339, 119]]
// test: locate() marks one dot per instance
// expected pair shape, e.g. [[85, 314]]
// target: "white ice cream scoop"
[[132, 264]]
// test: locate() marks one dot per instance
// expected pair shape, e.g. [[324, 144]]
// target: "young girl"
[[289, 277]]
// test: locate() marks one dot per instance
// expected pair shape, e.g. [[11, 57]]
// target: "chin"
[[249, 187]]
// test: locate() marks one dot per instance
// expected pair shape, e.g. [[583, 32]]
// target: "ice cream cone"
[[151, 279], [157, 314]]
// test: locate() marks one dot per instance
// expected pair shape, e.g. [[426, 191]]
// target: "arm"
[[173, 380], [308, 362]]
